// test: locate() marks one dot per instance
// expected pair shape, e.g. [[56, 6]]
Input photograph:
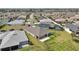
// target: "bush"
[[3, 30], [2, 26]]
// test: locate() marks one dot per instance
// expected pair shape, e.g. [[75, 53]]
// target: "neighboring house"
[[12, 40], [48, 23], [74, 18], [45, 21], [74, 27], [37, 32], [16, 22], [77, 33], [60, 20], [21, 17]]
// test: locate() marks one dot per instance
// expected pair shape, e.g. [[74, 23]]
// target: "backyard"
[[59, 41], [35, 44]]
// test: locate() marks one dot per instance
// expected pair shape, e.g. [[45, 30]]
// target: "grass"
[[37, 45], [7, 27], [59, 41], [62, 42]]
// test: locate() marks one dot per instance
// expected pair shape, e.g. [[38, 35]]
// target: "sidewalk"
[[44, 39], [67, 30]]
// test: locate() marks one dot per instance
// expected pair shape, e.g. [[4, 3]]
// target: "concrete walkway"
[[44, 39], [25, 45], [67, 30]]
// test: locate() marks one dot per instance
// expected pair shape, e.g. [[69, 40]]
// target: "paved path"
[[67, 30], [44, 39]]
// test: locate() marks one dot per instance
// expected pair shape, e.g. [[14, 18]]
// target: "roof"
[[45, 21], [75, 17], [16, 22], [73, 27], [60, 20], [77, 23], [22, 16], [3, 21], [46, 25], [12, 38], [37, 31]]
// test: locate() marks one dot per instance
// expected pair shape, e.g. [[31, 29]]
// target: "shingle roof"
[[60, 20], [73, 27], [45, 20], [12, 38], [37, 31], [17, 22]]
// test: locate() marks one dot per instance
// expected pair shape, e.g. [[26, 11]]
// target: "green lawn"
[[37, 45], [59, 41], [7, 27], [62, 42]]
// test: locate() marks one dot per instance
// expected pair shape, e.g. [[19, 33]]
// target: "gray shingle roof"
[[45, 21], [16, 22], [12, 38], [37, 31], [73, 27]]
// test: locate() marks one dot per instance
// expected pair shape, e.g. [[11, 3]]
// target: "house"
[[60, 20], [77, 33], [21, 17], [74, 27], [74, 18], [37, 32], [45, 21], [16, 22], [12, 40], [48, 23]]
